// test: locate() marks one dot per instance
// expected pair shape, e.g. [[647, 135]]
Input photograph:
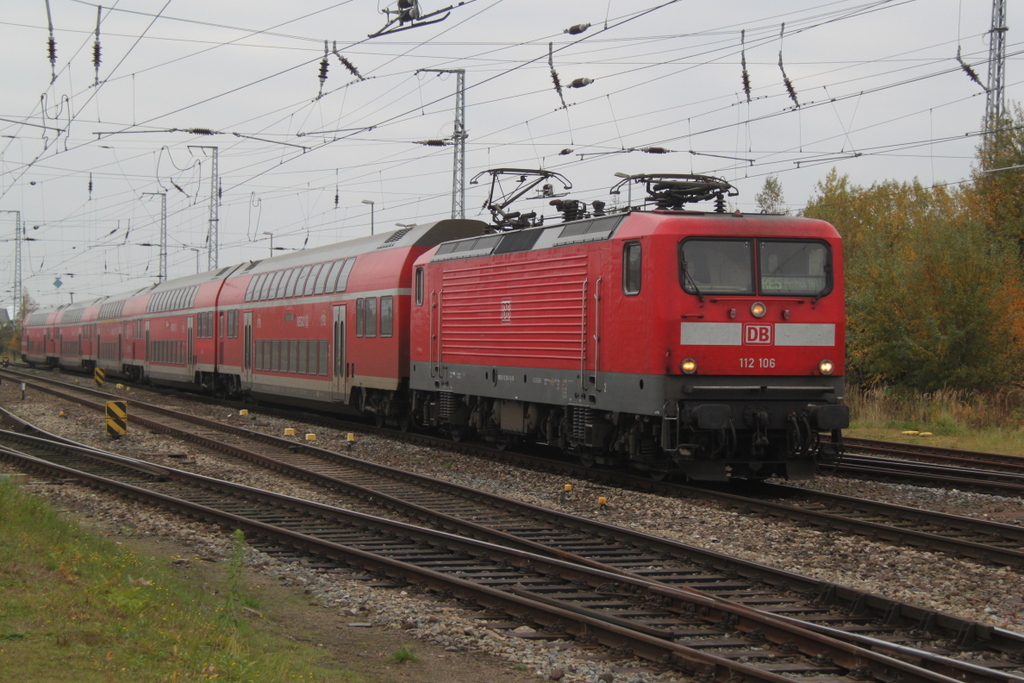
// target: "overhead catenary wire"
[[376, 132]]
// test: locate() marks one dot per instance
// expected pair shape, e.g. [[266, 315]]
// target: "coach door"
[[190, 359], [247, 355], [149, 352], [339, 381]]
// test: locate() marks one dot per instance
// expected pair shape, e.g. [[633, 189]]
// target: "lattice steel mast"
[[995, 103], [458, 142], [214, 240]]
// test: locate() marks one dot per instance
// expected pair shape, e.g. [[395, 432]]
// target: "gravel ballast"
[[987, 594]]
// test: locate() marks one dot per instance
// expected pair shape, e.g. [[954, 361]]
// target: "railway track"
[[934, 454], [611, 549], [705, 637], [1001, 482], [963, 536]]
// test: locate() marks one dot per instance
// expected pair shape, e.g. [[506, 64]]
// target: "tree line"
[[934, 275]]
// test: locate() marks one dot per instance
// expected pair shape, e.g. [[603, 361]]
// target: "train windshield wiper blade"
[[688, 278]]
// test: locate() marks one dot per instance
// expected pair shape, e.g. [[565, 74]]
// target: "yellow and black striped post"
[[117, 419], [100, 375]]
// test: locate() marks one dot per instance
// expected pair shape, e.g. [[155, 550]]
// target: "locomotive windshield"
[[782, 267], [794, 268]]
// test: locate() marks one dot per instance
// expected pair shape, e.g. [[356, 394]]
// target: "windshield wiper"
[[688, 278]]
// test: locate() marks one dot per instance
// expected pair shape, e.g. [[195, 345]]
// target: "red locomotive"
[[707, 344]]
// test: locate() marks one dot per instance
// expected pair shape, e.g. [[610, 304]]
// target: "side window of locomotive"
[[716, 266], [631, 269], [386, 316], [795, 268], [419, 286]]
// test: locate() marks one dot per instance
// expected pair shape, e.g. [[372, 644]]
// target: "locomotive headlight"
[[826, 367], [758, 309], [688, 366]]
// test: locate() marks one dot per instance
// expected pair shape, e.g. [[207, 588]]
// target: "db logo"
[[757, 334], [506, 311]]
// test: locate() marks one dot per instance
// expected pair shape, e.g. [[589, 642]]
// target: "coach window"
[[371, 317], [293, 281], [275, 285], [275, 355], [311, 370], [303, 348], [324, 355], [311, 280], [343, 275], [359, 318], [264, 285], [325, 284], [293, 355], [386, 316], [300, 281], [282, 286], [257, 285], [419, 286], [248, 290], [272, 283], [321, 280], [631, 268]]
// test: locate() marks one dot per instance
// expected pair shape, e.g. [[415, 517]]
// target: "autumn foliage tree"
[[995, 199], [934, 300]]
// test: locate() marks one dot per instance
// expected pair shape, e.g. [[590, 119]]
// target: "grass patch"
[[403, 655], [75, 606], [971, 420]]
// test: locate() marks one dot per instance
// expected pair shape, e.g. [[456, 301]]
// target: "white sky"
[[881, 93]]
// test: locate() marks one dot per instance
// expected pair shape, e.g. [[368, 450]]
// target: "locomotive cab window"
[[727, 266], [419, 286], [794, 268], [631, 269], [716, 266]]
